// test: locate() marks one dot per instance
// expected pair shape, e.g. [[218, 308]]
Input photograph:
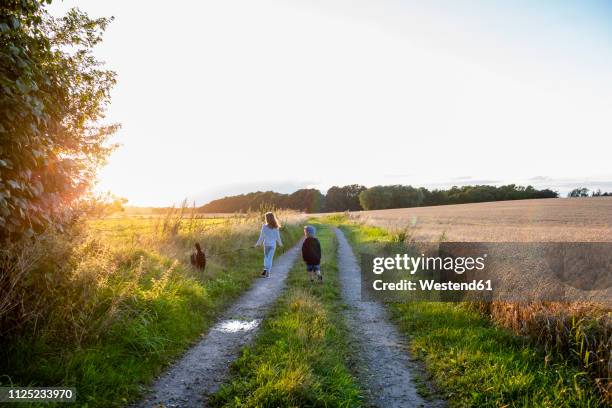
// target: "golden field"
[[541, 220]]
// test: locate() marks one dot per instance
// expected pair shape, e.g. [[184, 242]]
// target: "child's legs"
[[268, 256], [311, 271]]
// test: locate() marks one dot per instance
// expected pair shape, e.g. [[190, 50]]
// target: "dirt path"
[[384, 366], [205, 366]]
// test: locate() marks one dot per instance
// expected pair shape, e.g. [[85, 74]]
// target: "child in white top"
[[268, 237]]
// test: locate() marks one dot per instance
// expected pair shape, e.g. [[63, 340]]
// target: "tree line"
[[356, 197], [584, 192]]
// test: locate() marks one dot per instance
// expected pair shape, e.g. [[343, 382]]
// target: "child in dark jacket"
[[311, 253]]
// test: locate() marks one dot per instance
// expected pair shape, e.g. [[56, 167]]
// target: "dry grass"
[[577, 331], [543, 220]]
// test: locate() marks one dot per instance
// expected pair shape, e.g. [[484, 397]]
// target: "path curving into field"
[[383, 364], [205, 366]]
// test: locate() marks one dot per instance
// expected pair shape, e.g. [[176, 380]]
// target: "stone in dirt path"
[[205, 366], [384, 367]]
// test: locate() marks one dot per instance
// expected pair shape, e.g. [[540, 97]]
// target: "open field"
[[542, 220]]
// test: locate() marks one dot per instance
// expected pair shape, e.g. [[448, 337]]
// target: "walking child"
[[311, 253], [269, 237]]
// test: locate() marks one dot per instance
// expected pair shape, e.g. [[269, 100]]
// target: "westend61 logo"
[[412, 264]]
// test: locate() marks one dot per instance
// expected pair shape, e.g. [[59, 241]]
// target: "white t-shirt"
[[269, 236]]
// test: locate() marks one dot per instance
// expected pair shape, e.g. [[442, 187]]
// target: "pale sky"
[[230, 96]]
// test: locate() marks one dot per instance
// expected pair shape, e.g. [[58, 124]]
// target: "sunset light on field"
[[305, 203], [225, 97]]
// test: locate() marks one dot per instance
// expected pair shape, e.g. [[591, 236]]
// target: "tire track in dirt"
[[204, 367], [383, 363]]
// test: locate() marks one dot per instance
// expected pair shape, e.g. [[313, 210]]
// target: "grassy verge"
[[299, 357], [476, 363], [123, 302]]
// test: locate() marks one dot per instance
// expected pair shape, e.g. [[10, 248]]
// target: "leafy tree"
[[405, 196], [53, 95], [546, 193], [375, 198], [309, 200], [434, 197], [356, 197], [244, 202], [579, 192], [380, 197], [344, 198], [600, 193], [98, 206], [395, 196]]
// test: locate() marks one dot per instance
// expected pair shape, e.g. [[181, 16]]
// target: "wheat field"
[[541, 220]]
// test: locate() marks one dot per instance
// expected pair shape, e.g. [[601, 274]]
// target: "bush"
[[53, 94]]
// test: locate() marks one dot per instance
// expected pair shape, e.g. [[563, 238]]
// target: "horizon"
[[390, 92], [324, 193]]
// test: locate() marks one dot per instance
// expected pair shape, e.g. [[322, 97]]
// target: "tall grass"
[[106, 305], [511, 354], [578, 332]]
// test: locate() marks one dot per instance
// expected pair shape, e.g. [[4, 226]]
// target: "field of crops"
[[542, 220]]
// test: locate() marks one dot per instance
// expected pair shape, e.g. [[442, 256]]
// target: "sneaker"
[[320, 277], [264, 273], [267, 274]]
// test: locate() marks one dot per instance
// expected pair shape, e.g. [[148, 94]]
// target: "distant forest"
[[357, 197]]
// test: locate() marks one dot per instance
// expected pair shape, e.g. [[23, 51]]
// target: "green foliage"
[[344, 198], [54, 92], [300, 355], [395, 196], [355, 197], [307, 200], [101, 205], [600, 193], [579, 192]]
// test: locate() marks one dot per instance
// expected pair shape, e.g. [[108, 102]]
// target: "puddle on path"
[[233, 326]]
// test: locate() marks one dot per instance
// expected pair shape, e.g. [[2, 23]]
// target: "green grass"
[[143, 307], [475, 363], [300, 355]]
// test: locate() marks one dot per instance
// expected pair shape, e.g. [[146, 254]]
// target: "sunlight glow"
[[222, 97]]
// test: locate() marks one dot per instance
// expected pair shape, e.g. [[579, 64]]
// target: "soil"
[[383, 363]]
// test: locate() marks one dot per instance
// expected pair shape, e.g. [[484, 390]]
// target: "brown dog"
[[198, 258]]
